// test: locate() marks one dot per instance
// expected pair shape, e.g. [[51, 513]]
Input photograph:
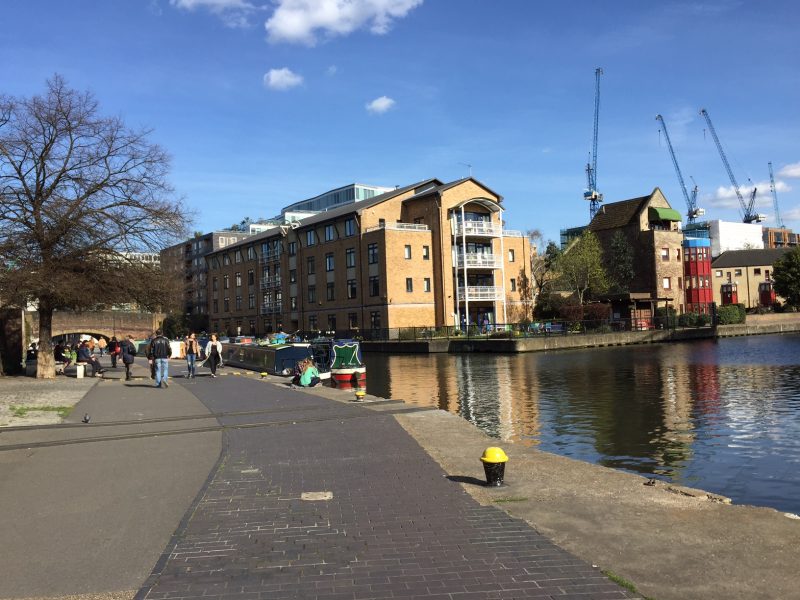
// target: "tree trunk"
[[45, 361]]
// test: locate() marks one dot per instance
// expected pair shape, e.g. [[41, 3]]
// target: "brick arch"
[[105, 323]]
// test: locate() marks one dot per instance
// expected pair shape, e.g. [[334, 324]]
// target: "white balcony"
[[512, 233], [478, 260], [400, 227], [478, 228], [271, 308], [480, 292], [270, 283]]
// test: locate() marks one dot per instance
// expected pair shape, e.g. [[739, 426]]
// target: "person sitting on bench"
[[85, 356]]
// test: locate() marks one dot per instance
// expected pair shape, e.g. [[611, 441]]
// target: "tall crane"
[[691, 201], [748, 216], [778, 220], [591, 194]]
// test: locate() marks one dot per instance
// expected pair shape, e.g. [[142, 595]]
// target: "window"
[[237, 257], [665, 283], [292, 275], [350, 257], [293, 302], [351, 289], [374, 286], [372, 254], [278, 273], [665, 254], [312, 322], [426, 284], [375, 319], [426, 253], [226, 259], [226, 303], [226, 283], [238, 303], [766, 274], [381, 223], [737, 273], [238, 279], [756, 271], [213, 284], [251, 253], [264, 247], [310, 238], [511, 255], [352, 320], [330, 233], [251, 277], [331, 322], [329, 262], [331, 294], [310, 265], [513, 284], [292, 249], [718, 274], [312, 293], [251, 301], [216, 306], [407, 252], [264, 273], [409, 284], [678, 254], [350, 227], [680, 283]]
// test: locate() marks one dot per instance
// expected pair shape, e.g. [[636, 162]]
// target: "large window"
[[312, 322], [310, 265], [238, 279], [665, 254], [226, 282], [238, 303], [352, 320], [214, 284], [292, 275], [375, 319], [251, 253], [331, 322], [329, 262], [351, 289], [251, 301], [350, 227], [292, 249], [374, 286], [251, 277], [666, 283], [350, 257], [237, 257], [293, 302], [330, 233], [310, 238], [226, 303], [312, 293], [331, 291], [372, 254]]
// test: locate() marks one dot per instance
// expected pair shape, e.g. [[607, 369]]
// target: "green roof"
[[663, 214]]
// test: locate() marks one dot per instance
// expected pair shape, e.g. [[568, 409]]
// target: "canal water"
[[719, 415]]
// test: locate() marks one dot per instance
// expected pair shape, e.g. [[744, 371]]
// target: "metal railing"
[[481, 228], [270, 283], [478, 260], [270, 256], [271, 308], [480, 292], [399, 227]]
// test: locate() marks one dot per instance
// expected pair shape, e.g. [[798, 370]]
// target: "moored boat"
[[342, 359]]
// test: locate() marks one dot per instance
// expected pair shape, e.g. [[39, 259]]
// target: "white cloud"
[[300, 21], [380, 105], [234, 13], [725, 196], [792, 170], [282, 79], [793, 214], [331, 71]]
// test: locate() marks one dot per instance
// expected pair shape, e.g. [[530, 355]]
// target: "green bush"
[[730, 314], [688, 320], [703, 320]]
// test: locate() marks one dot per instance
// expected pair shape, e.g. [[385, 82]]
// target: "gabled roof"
[[618, 214], [748, 258]]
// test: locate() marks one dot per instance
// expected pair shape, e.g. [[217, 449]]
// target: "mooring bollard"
[[360, 393], [494, 465], [263, 375]]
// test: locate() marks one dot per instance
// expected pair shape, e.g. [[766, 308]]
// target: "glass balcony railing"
[[480, 292], [478, 260], [270, 283], [271, 308]]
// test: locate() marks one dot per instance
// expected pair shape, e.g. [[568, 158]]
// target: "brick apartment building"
[[429, 254]]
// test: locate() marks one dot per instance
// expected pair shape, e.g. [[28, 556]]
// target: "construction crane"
[[778, 220], [691, 201], [748, 216], [591, 194]]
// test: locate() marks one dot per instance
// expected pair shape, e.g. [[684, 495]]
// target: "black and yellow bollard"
[[494, 465], [359, 395]]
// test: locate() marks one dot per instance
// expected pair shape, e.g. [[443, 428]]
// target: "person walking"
[[192, 353], [214, 354], [113, 351], [160, 352], [102, 344], [127, 350]]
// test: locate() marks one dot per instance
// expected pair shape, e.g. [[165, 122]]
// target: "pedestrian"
[[85, 356], [192, 354], [113, 351], [160, 352], [213, 354], [102, 345], [127, 350]]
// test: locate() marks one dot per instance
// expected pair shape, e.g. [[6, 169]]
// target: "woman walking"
[[214, 354], [128, 351], [192, 351]]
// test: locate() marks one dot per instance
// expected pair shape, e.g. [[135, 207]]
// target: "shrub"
[[688, 320], [703, 320], [730, 314]]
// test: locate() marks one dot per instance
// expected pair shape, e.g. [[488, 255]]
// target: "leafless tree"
[[80, 194]]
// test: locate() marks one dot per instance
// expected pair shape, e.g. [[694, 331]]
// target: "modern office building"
[[348, 194], [428, 254], [780, 237]]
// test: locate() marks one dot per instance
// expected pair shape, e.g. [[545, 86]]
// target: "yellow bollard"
[[494, 465], [360, 395]]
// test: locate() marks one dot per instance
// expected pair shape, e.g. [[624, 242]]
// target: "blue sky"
[[264, 104]]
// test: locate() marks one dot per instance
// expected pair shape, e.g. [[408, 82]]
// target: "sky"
[[262, 104]]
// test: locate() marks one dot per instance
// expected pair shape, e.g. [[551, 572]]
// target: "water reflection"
[[723, 416]]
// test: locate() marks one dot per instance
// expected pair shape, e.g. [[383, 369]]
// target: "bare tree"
[[80, 193], [542, 262]]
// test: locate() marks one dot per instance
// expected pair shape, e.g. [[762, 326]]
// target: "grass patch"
[[22, 411], [511, 499], [622, 582]]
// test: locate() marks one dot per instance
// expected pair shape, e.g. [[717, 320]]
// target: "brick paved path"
[[395, 526]]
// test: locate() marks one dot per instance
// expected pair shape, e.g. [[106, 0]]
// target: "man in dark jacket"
[[160, 351], [128, 351], [85, 356]]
